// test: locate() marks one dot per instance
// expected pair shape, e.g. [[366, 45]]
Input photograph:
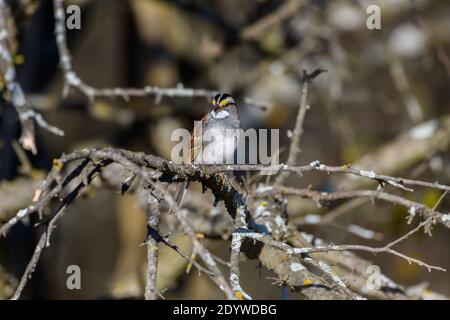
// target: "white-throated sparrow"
[[214, 138]]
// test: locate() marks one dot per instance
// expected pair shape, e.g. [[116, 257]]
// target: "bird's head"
[[221, 101]]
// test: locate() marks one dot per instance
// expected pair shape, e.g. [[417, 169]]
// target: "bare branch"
[[291, 250], [45, 237], [30, 267], [414, 207], [152, 171], [151, 291], [298, 130], [18, 98], [236, 243], [73, 80]]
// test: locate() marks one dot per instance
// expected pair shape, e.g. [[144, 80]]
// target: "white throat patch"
[[221, 114]]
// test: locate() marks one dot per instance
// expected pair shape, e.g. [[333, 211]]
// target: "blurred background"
[[384, 104]]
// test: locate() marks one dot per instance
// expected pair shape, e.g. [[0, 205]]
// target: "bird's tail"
[[180, 193]]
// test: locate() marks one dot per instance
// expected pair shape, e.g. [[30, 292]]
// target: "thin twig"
[[27, 116], [413, 207], [30, 267], [44, 241], [298, 130], [397, 182], [151, 290], [236, 243], [350, 247]]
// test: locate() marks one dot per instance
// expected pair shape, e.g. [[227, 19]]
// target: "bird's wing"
[[196, 147], [196, 140]]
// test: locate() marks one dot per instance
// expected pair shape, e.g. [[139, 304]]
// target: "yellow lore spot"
[[58, 164], [224, 102], [307, 282], [239, 295]]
